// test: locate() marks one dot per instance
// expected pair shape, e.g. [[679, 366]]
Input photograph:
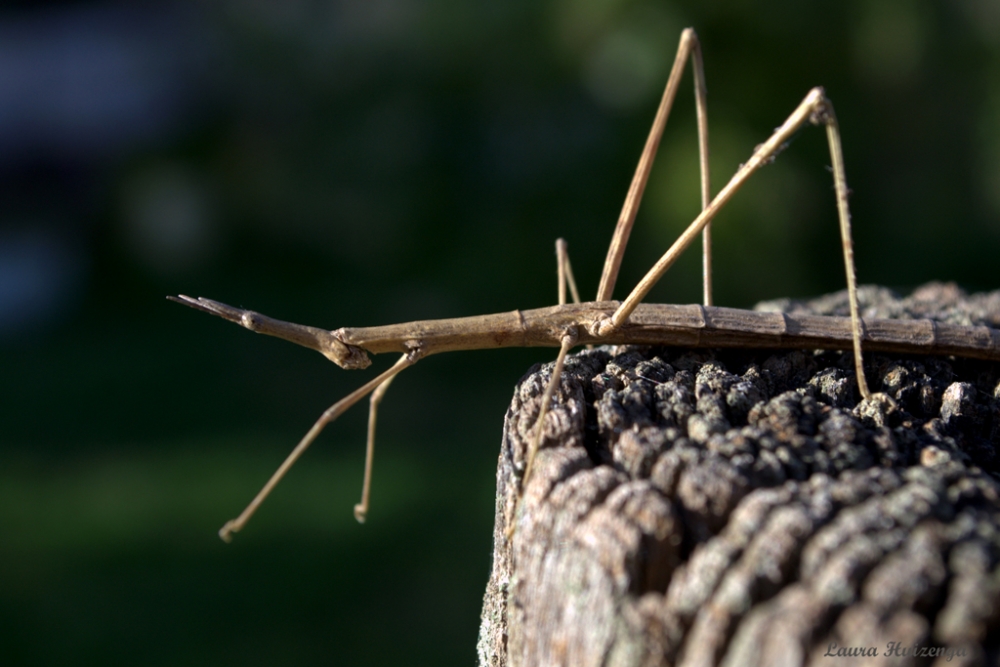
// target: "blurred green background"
[[357, 163]]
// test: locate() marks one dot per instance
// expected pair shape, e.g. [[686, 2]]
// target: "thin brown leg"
[[568, 341], [817, 109], [334, 411], [701, 111], [826, 115], [361, 509], [616, 250], [565, 273]]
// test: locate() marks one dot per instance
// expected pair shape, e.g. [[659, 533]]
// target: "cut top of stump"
[[742, 507]]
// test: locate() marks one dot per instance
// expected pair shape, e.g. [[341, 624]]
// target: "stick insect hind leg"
[[816, 109], [689, 46]]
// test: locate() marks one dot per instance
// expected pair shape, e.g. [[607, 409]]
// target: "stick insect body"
[[604, 321]]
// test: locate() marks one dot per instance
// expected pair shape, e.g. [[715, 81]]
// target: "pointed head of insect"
[[346, 356]]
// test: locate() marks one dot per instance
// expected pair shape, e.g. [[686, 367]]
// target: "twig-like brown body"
[[677, 325], [691, 325]]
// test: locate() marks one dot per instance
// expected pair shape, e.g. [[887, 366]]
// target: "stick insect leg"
[[701, 111], [825, 115], [817, 109], [361, 509], [565, 274], [689, 46], [568, 341], [334, 411]]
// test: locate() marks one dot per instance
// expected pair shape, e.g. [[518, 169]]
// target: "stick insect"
[[604, 321]]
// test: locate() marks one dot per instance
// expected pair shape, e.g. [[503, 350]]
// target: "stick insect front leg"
[[361, 509], [334, 411]]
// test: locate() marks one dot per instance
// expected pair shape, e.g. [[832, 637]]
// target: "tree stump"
[[742, 507]]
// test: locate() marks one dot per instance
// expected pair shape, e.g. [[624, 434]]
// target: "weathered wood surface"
[[743, 508]]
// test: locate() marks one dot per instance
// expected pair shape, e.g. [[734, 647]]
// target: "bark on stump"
[[744, 508]]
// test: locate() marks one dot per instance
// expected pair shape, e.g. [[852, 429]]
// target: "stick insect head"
[[346, 356]]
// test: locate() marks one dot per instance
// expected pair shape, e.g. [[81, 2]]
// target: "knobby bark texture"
[[699, 507]]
